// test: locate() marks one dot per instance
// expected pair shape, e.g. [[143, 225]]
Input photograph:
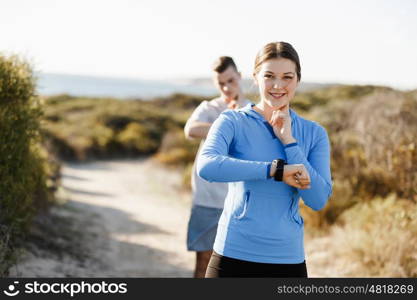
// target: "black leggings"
[[222, 266]]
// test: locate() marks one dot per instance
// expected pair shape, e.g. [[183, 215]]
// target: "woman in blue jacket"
[[271, 157]]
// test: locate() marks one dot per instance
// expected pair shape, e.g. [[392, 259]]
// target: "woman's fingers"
[[298, 184], [303, 173], [296, 175], [302, 182], [277, 118], [301, 177], [304, 179], [273, 121]]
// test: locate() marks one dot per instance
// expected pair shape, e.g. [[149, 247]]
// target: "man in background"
[[208, 198]]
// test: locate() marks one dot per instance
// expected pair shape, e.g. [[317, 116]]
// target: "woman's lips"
[[277, 95]]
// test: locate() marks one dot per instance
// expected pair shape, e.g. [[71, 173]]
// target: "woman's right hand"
[[297, 176]]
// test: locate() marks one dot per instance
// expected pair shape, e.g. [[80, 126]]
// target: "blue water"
[[78, 85], [53, 84]]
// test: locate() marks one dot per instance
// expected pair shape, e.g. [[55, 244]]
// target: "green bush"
[[138, 139], [90, 128], [24, 171]]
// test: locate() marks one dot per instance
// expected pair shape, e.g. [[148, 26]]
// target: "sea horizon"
[[49, 84]]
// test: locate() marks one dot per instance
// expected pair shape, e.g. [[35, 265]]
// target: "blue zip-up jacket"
[[260, 220]]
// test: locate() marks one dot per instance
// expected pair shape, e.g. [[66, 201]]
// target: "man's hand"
[[232, 104]]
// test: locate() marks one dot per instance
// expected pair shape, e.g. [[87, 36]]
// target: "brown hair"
[[222, 63], [278, 50]]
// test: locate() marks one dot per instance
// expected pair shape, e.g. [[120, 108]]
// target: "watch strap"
[[279, 170]]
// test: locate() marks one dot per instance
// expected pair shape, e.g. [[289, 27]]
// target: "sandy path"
[[129, 219]]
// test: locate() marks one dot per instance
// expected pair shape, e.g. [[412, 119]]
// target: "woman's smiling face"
[[277, 81]]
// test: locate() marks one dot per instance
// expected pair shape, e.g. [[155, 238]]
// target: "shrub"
[[90, 128], [138, 139], [380, 236], [175, 149], [24, 170], [373, 151]]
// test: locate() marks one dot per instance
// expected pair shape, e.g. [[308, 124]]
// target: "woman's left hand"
[[281, 123]]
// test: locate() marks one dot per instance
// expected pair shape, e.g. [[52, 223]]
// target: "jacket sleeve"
[[318, 167], [214, 162]]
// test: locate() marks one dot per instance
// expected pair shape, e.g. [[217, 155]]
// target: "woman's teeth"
[[277, 95]]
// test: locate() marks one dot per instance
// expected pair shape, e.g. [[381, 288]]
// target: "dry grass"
[[373, 239]]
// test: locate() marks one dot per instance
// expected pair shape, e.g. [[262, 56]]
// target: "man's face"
[[228, 83]]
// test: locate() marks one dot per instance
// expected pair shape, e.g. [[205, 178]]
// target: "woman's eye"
[[288, 77], [268, 76]]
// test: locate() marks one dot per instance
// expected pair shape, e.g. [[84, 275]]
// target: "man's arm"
[[196, 129]]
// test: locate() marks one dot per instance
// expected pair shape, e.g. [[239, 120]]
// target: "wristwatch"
[[279, 168]]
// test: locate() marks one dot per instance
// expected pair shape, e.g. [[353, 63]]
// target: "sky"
[[356, 41]]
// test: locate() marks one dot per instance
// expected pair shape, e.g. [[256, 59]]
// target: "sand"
[[124, 218]]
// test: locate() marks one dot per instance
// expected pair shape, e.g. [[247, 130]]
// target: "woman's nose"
[[278, 84]]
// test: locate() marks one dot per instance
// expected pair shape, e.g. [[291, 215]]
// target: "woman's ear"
[[255, 79]]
